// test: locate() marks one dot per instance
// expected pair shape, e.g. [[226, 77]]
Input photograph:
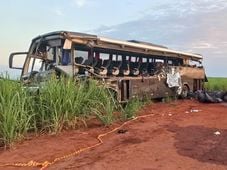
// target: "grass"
[[131, 108], [15, 113], [216, 84], [59, 104], [105, 107]]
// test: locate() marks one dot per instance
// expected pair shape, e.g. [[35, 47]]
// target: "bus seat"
[[104, 67], [124, 70], [151, 68], [88, 62], [110, 68], [134, 68], [115, 67], [79, 60], [144, 68], [86, 65], [106, 63], [94, 62], [98, 65], [159, 68]]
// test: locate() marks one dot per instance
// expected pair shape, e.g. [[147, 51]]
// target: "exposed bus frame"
[[128, 87]]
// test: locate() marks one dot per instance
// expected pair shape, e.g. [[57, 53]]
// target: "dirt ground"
[[182, 134]]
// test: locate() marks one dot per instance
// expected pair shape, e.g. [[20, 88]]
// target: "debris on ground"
[[122, 131], [195, 110], [210, 97], [217, 133]]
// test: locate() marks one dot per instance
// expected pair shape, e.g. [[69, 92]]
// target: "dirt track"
[[178, 135]]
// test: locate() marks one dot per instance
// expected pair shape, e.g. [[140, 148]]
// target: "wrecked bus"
[[129, 68]]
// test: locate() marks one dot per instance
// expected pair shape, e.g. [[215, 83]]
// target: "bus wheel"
[[185, 91]]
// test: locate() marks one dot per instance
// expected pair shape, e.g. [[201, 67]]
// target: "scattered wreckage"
[[210, 97], [128, 68]]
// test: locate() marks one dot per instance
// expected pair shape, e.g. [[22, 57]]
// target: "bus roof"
[[104, 42], [155, 48]]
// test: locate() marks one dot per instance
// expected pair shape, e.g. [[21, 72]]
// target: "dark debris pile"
[[209, 97]]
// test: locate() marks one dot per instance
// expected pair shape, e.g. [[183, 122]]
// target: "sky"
[[197, 26]]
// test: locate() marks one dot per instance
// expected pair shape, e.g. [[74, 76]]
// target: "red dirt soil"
[[176, 135]]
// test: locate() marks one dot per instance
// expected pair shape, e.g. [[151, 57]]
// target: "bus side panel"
[[192, 72], [140, 88], [152, 87], [193, 77]]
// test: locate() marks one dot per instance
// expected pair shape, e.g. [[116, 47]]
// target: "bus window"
[[35, 64], [46, 52], [83, 54], [170, 62], [194, 63], [58, 55], [159, 60], [144, 60], [133, 59], [38, 65], [150, 60], [119, 57], [51, 54], [104, 56], [114, 57]]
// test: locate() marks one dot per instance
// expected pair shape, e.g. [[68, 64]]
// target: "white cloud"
[[203, 45], [184, 7], [109, 30], [79, 3]]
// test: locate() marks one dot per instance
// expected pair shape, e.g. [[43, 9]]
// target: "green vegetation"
[[131, 109], [15, 112], [58, 105], [62, 101], [216, 84]]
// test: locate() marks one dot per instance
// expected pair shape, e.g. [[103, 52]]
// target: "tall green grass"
[[104, 110], [15, 113], [215, 84], [62, 101], [57, 105]]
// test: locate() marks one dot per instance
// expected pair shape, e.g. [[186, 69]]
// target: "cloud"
[[195, 26], [183, 8], [109, 30], [203, 45], [79, 3]]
